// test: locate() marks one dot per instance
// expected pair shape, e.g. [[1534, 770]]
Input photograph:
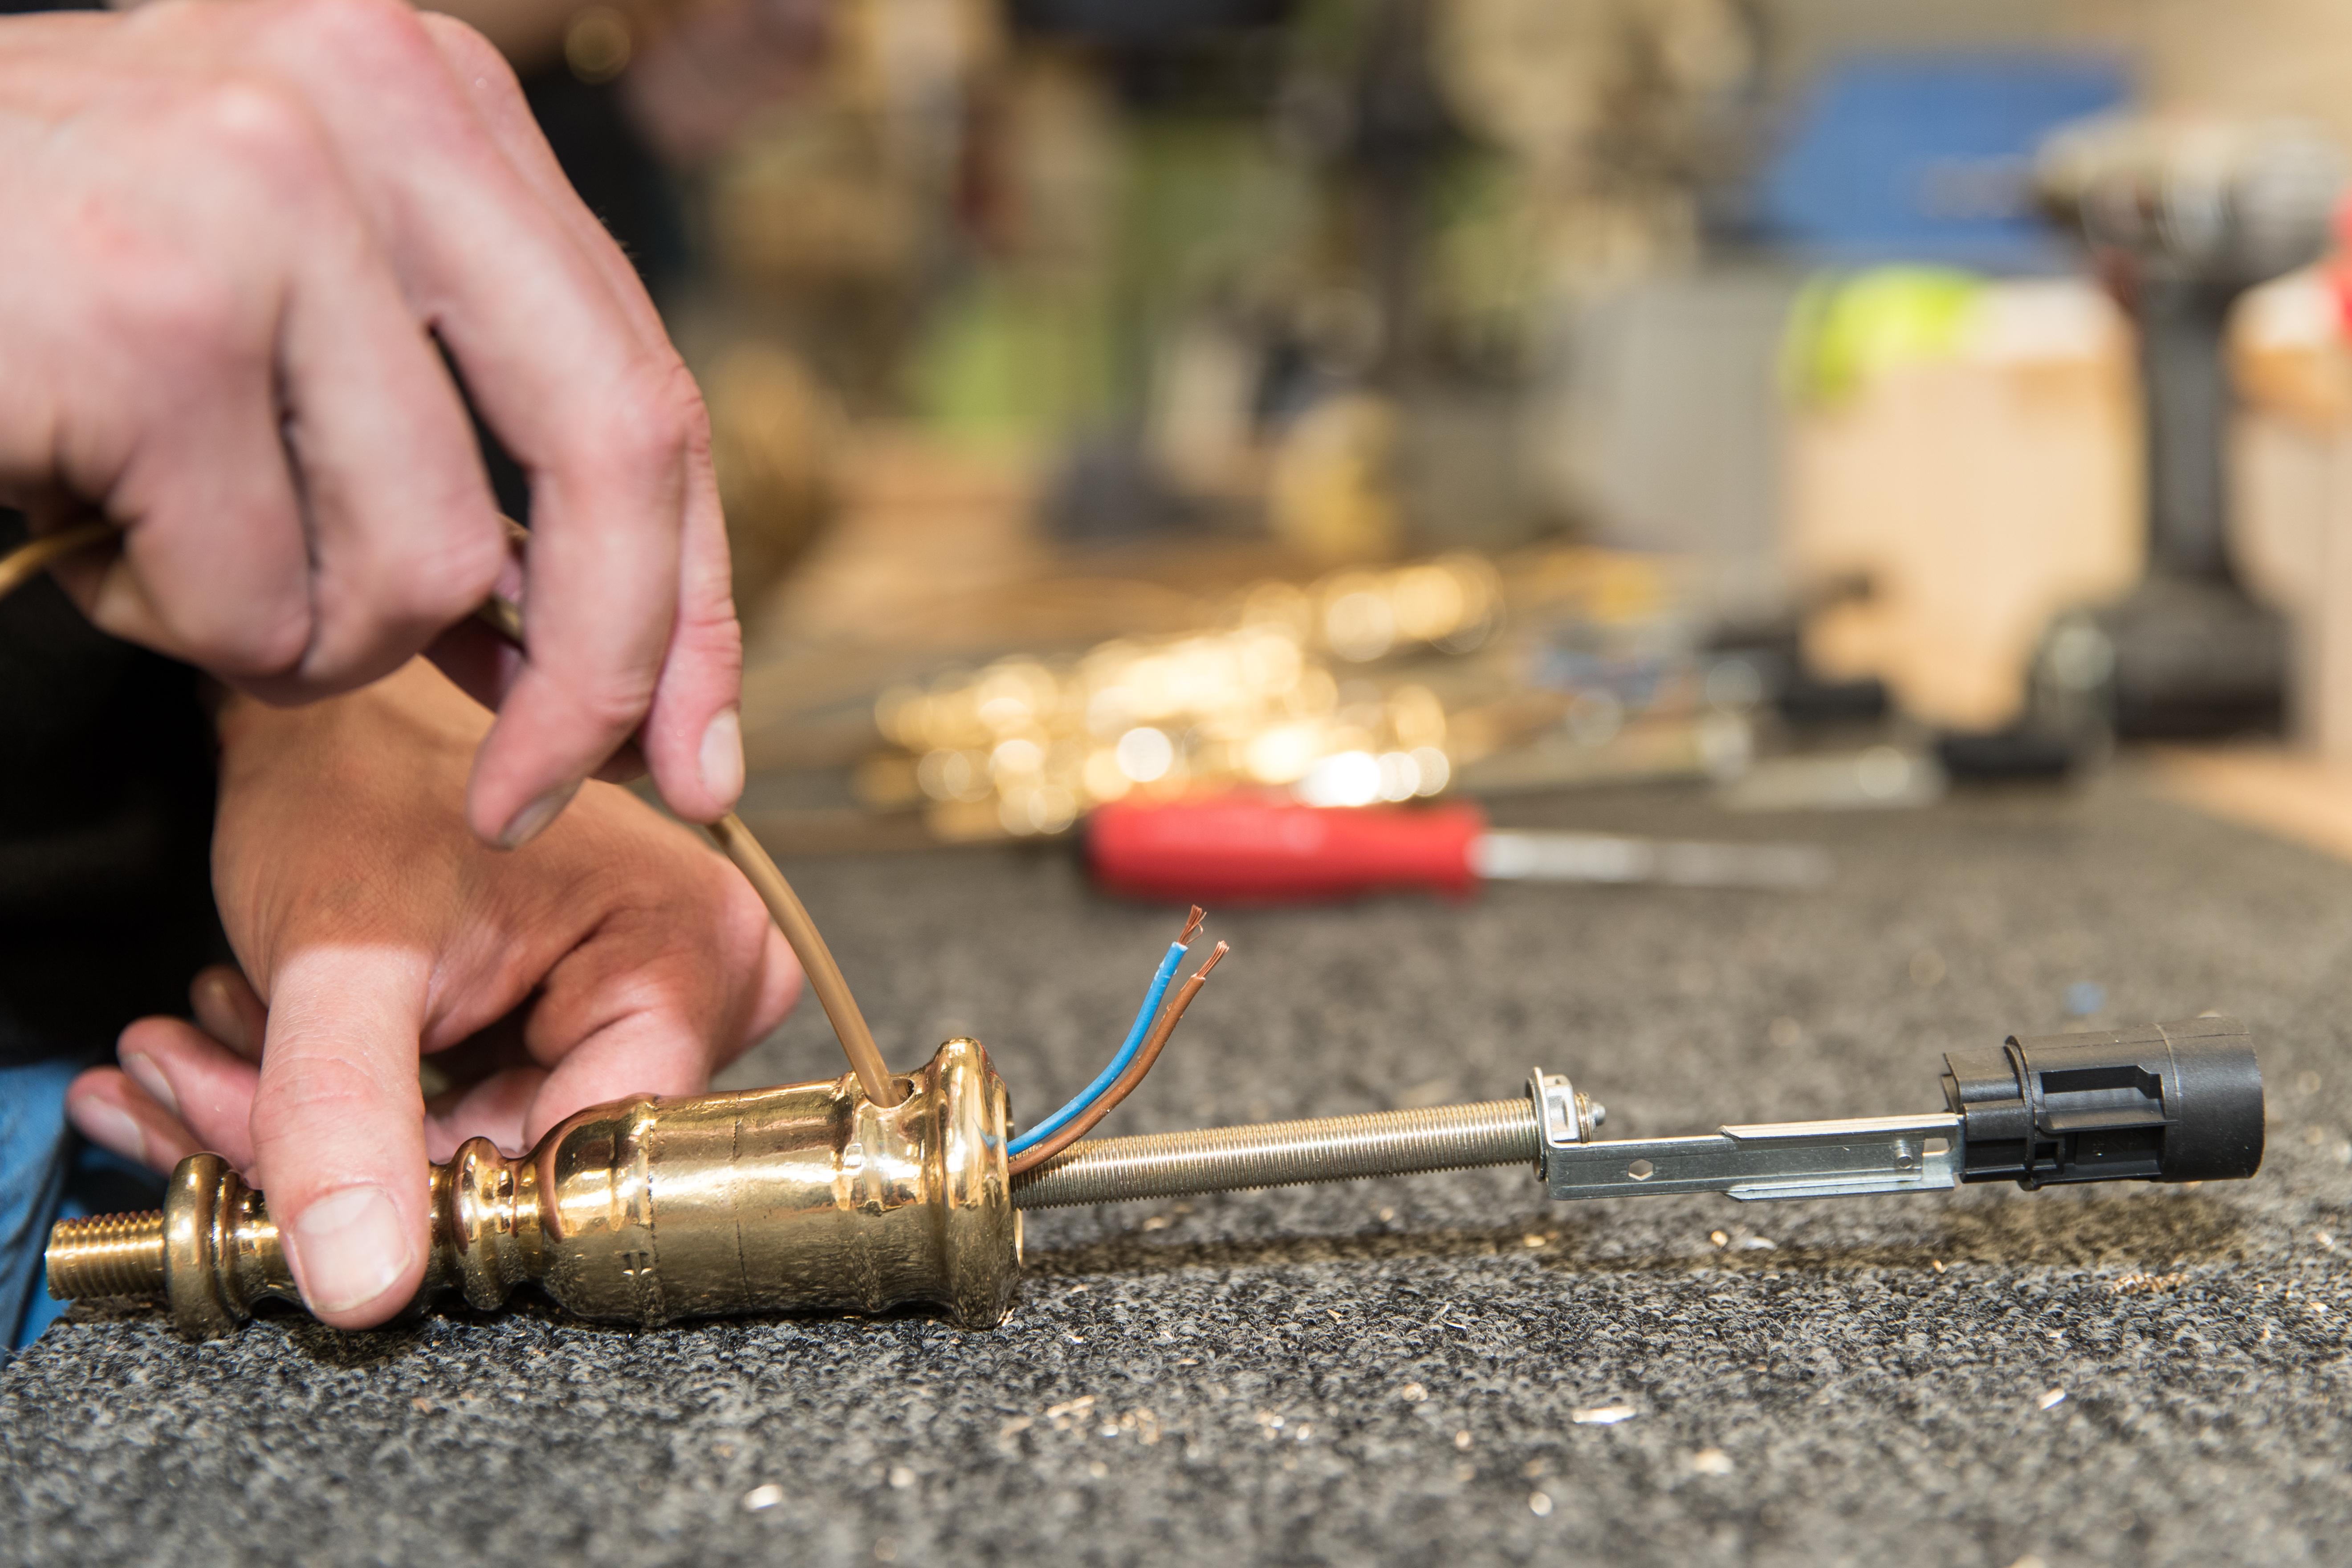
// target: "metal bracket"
[[1775, 1160]]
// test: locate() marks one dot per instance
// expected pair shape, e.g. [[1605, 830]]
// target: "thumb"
[[338, 1127]]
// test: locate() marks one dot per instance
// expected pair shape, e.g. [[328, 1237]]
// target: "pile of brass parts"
[[1366, 684]]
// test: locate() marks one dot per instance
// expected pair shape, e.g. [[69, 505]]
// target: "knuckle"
[[694, 411], [713, 637], [254, 128], [240, 641], [614, 705], [448, 576], [197, 278], [320, 1092], [650, 418], [277, 647], [379, 37], [471, 54]]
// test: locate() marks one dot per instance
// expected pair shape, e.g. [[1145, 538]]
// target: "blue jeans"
[[48, 1172]]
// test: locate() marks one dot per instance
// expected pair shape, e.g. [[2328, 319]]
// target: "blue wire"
[[1109, 1075]]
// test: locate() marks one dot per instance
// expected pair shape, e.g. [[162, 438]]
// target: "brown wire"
[[784, 907], [1162, 1032], [25, 562], [825, 976]]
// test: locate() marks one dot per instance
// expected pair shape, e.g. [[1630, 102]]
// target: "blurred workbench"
[[1444, 1369]]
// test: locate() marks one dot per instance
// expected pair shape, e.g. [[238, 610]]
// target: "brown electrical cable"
[[1162, 1032], [784, 907], [825, 976], [25, 562]]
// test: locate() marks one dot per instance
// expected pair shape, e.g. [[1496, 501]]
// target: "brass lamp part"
[[807, 1198]]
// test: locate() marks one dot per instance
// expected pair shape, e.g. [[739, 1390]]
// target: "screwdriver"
[[1262, 848]]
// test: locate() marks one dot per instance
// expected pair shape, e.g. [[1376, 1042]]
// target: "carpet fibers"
[[1444, 1369]]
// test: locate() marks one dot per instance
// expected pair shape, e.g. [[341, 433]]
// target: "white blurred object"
[[1656, 417], [1877, 778]]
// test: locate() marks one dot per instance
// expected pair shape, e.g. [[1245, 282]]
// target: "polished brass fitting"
[[808, 1197]]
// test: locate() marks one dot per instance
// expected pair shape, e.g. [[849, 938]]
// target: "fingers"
[[315, 195], [181, 1088], [228, 1010], [494, 1108], [626, 1015], [246, 390], [595, 412], [496, 94], [693, 737], [404, 532], [777, 987], [213, 567], [204, 1086], [115, 1113], [603, 568], [566, 359], [337, 1126], [642, 1053]]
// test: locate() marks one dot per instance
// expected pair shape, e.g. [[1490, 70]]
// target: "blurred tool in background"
[[2182, 216], [1256, 848]]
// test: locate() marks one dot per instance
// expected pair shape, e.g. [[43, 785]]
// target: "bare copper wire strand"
[[1191, 925], [1153, 1044], [26, 561]]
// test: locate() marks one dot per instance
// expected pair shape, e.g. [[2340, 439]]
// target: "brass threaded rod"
[[1281, 1153], [107, 1255]]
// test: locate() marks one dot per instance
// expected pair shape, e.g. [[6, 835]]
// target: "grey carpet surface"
[[1393, 1372]]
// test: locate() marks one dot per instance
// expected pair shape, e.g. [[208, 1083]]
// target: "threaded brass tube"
[[107, 1255]]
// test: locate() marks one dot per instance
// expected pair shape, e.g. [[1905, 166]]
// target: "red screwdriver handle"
[[1253, 848]]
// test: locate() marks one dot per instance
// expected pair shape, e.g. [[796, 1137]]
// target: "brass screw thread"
[[107, 1255]]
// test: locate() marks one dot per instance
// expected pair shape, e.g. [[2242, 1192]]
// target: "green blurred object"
[[1014, 360], [1047, 336], [1845, 329]]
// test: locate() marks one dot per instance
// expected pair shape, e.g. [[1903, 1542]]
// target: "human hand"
[[238, 230], [631, 958]]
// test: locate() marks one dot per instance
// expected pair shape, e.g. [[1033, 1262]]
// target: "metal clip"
[[1555, 1109]]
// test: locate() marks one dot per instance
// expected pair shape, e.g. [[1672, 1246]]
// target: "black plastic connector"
[[2169, 1103]]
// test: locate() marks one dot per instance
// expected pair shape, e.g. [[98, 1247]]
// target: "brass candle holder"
[[807, 1198]]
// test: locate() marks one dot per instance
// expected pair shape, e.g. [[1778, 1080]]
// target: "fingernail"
[[532, 819], [722, 757], [350, 1247], [111, 1127], [149, 1077]]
